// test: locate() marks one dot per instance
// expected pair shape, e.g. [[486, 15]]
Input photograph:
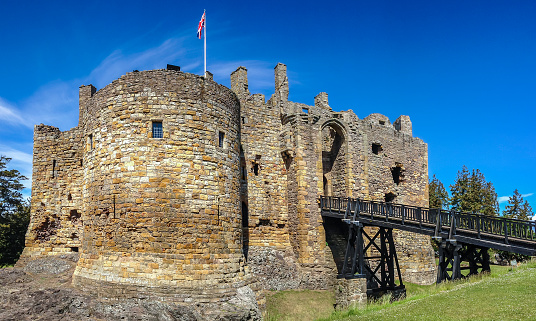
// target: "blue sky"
[[464, 71]]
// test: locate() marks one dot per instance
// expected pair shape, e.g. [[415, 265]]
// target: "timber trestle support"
[[372, 255], [459, 260]]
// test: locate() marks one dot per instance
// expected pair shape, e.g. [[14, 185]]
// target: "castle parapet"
[[403, 125], [239, 82], [321, 101], [85, 92]]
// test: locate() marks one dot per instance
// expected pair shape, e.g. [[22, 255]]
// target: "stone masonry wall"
[[56, 203], [263, 170], [162, 212], [231, 187]]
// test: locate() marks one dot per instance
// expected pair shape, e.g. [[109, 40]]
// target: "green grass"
[[505, 294], [303, 305]]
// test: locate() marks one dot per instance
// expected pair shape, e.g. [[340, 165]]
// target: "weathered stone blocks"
[[174, 185]]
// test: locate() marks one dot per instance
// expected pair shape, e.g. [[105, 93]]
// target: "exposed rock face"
[[43, 291], [175, 186]]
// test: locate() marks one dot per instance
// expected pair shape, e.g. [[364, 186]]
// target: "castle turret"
[[161, 187], [321, 101], [85, 92], [239, 82], [403, 125], [281, 85]]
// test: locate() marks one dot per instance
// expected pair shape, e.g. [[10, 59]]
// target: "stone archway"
[[334, 160]]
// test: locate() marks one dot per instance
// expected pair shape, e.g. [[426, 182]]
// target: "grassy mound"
[[505, 294]]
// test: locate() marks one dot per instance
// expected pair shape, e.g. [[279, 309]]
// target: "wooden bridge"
[[462, 237]]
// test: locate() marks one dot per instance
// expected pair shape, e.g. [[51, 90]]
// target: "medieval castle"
[[176, 186]]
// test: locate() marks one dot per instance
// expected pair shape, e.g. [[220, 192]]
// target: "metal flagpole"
[[205, 14]]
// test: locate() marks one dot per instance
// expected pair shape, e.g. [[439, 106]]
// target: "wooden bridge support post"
[[452, 254], [353, 264], [381, 278]]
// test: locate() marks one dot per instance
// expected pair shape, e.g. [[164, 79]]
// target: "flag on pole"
[[201, 26]]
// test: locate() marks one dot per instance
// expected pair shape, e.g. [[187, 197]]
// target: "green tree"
[[526, 210], [437, 194], [517, 209], [472, 193], [14, 214]]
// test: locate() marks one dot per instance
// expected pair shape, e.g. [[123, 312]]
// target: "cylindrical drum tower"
[[161, 180]]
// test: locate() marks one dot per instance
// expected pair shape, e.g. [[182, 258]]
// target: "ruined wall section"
[[56, 204], [307, 231], [163, 214], [264, 189], [396, 170], [263, 170]]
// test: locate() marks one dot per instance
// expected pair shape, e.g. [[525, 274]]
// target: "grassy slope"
[[509, 297], [303, 305], [505, 295]]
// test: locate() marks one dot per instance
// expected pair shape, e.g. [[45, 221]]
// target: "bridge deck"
[[499, 233]]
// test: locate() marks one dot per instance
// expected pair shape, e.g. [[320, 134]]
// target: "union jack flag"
[[201, 26]]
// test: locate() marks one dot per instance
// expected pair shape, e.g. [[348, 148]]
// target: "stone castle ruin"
[[175, 186]]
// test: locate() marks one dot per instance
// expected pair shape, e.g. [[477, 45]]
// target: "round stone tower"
[[161, 191]]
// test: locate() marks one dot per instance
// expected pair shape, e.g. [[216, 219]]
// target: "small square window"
[[376, 148], [220, 139], [158, 131]]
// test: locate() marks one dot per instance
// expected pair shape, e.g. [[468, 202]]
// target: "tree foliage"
[[472, 193], [14, 214], [518, 209], [437, 194]]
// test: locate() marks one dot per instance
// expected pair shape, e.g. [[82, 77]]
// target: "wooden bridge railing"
[[441, 219]]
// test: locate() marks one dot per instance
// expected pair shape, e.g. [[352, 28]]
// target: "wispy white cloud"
[[503, 199], [118, 63], [11, 115], [21, 161], [16, 155], [55, 104]]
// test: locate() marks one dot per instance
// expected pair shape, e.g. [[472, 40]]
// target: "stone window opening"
[[382, 122], [74, 248], [221, 138], [69, 197], [287, 159], [398, 173], [243, 172], [53, 168], [90, 141], [244, 120], [74, 216], [256, 169], [243, 169], [376, 148], [157, 129], [390, 197], [264, 222], [245, 215]]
